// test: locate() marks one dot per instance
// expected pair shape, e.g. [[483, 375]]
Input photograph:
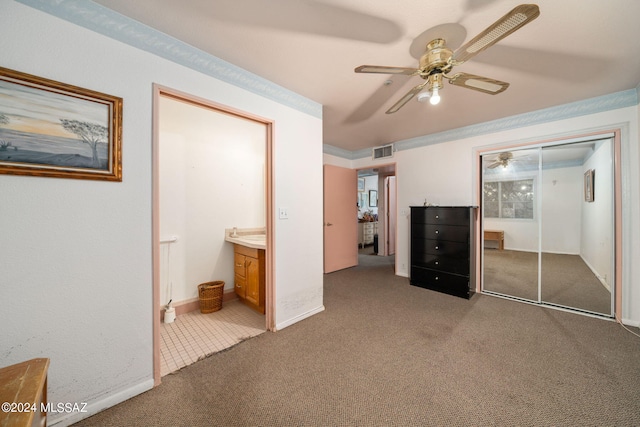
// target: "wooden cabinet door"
[[240, 276], [252, 281]]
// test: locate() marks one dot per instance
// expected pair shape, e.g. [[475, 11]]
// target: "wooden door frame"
[[270, 307], [388, 196]]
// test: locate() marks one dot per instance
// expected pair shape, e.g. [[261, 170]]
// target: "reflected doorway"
[[548, 215]]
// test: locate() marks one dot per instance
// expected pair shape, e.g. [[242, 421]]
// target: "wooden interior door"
[[340, 218]]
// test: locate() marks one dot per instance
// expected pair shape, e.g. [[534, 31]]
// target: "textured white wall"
[[76, 282], [562, 199], [597, 239]]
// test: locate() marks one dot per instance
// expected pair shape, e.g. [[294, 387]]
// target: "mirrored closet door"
[[548, 225], [510, 223]]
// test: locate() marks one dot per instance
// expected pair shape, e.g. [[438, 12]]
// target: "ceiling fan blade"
[[512, 21], [481, 84], [409, 95], [494, 165], [380, 69]]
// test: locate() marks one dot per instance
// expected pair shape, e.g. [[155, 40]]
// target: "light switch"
[[284, 213]]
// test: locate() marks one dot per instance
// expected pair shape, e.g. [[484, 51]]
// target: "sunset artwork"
[[52, 129]]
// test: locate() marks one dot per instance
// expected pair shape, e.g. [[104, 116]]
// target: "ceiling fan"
[[503, 160], [438, 60]]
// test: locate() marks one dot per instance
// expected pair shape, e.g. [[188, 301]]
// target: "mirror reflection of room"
[[548, 225]]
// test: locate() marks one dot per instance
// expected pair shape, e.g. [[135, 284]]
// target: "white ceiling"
[[575, 50]]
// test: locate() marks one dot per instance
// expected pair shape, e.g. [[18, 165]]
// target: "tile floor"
[[193, 336]]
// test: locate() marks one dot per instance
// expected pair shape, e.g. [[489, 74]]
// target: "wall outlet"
[[284, 213]]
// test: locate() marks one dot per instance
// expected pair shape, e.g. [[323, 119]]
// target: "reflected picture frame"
[[589, 195], [53, 129], [373, 198], [360, 184]]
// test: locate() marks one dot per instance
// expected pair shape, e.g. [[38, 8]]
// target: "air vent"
[[382, 152]]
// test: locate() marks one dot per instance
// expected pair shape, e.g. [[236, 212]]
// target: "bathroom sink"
[[255, 237], [252, 238]]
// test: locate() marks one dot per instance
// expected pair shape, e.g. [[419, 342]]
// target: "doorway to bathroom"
[[211, 172]]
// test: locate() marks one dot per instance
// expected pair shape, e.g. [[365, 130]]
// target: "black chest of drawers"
[[443, 250]]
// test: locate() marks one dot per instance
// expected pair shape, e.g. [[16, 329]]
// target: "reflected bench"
[[497, 235]]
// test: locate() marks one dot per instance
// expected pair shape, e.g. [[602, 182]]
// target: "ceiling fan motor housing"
[[436, 58]]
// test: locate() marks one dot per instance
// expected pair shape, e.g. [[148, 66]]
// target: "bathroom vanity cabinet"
[[249, 276]]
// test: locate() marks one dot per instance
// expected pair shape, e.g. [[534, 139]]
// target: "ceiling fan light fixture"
[[432, 95], [438, 61], [435, 84], [434, 99], [423, 96]]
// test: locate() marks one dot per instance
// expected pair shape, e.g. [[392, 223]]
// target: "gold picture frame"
[[53, 129]]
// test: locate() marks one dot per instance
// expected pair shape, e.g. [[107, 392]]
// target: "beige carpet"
[[385, 353], [566, 279]]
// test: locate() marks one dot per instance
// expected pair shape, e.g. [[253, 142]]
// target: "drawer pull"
[[437, 278], [437, 232], [437, 262], [437, 216], [437, 248], [239, 265]]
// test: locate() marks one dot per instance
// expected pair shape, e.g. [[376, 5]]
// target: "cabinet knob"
[[437, 278], [437, 262], [437, 232], [437, 216], [437, 247]]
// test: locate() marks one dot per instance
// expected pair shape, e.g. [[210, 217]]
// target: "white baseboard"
[[599, 277], [95, 406], [629, 322], [299, 318]]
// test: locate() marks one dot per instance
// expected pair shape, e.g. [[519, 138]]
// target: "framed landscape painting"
[[53, 129]]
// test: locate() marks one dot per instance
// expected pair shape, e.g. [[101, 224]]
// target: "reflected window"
[[509, 199]]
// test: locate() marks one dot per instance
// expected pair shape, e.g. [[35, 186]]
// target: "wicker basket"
[[210, 295]]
